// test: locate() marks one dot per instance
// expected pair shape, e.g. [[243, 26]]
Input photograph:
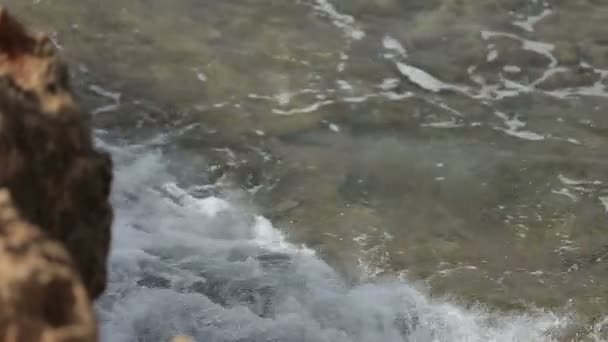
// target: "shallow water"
[[452, 144]]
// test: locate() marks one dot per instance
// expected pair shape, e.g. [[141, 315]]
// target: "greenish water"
[[458, 144]]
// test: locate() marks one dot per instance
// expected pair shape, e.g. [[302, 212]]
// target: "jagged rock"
[[55, 215], [58, 181], [41, 295]]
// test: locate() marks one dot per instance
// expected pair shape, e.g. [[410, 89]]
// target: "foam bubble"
[[216, 271]]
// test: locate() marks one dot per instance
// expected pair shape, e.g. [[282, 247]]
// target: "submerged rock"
[[55, 214]]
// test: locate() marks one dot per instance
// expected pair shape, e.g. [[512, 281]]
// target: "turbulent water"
[[213, 270], [348, 170]]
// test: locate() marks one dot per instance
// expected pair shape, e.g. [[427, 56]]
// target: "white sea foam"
[[514, 128], [425, 80], [394, 45], [214, 269], [114, 96], [529, 23], [343, 21], [209, 268], [541, 48]]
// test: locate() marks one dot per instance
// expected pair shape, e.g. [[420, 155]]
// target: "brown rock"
[[41, 295], [58, 181], [55, 215]]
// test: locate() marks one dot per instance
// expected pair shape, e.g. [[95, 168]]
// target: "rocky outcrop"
[[55, 215], [41, 295]]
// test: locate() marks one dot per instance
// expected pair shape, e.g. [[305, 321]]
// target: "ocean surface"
[[348, 170]]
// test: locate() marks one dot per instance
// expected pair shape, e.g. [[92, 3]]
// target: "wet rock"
[[55, 216], [58, 180], [41, 295]]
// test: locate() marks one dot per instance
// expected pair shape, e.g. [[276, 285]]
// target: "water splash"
[[214, 270]]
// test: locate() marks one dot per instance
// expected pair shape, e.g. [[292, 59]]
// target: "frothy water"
[[459, 148], [211, 268]]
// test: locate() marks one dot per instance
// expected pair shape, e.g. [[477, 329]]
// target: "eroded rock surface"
[[41, 295], [55, 214], [59, 182]]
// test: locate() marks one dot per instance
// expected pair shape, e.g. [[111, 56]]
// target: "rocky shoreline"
[[55, 215]]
